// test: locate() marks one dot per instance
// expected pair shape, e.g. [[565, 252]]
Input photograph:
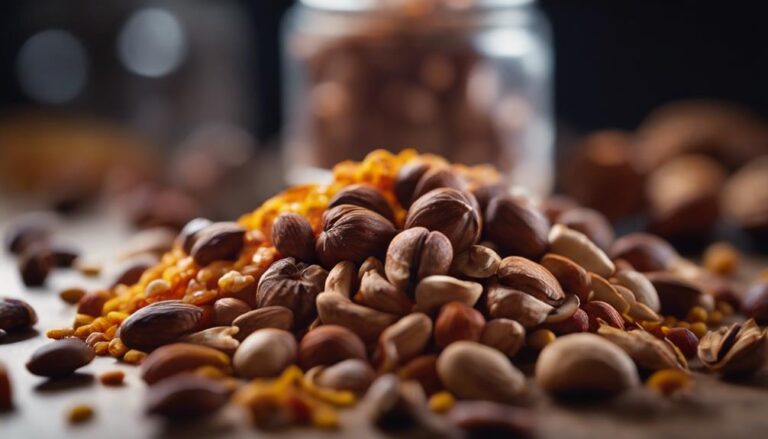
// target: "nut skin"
[[186, 396], [457, 321], [755, 302], [591, 223], [517, 227], [407, 178], [685, 340], [505, 335], [531, 278], [160, 323], [265, 353], [218, 241], [16, 315], [176, 358], [365, 196], [328, 345], [60, 358], [600, 310], [292, 285], [452, 212], [293, 237], [644, 252], [572, 277], [352, 233], [416, 253]]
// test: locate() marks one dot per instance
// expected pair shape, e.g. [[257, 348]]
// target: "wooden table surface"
[[712, 409]]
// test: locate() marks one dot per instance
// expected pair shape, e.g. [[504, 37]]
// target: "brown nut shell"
[[449, 211], [416, 253], [293, 237], [292, 285], [364, 196], [352, 233], [176, 358]]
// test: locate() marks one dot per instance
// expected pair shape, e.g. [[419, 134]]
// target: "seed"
[[80, 413], [117, 348], [697, 314], [35, 264], [699, 328], [668, 381], [59, 333], [441, 402], [72, 295], [540, 338], [721, 258], [134, 356], [112, 378], [60, 358], [234, 282]]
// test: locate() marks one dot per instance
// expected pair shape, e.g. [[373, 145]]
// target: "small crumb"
[[112, 378], [72, 295], [88, 268], [441, 402], [80, 413], [722, 258], [668, 381]]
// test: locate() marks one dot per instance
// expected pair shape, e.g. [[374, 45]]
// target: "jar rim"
[[373, 5]]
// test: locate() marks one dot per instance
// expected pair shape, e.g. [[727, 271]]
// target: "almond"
[[175, 358], [328, 345], [160, 323]]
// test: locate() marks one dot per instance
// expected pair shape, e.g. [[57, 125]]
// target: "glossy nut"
[[176, 358], [293, 237], [292, 285], [572, 277], [449, 211], [265, 353], [160, 323], [218, 241], [434, 291], [517, 227], [277, 317], [16, 315], [598, 310], [531, 278], [416, 253], [364, 196], [352, 233], [227, 309], [685, 340], [186, 396], [514, 304], [577, 247], [60, 358], [644, 252]]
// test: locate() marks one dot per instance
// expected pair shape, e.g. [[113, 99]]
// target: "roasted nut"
[[265, 353], [597, 310], [293, 237], [517, 227], [60, 358], [514, 304], [227, 309], [160, 323], [603, 291], [473, 371], [490, 419], [755, 302], [16, 315], [277, 317], [593, 224], [112, 378], [190, 232], [35, 264], [578, 322], [353, 375], [92, 303], [642, 289], [505, 335], [217, 337], [336, 309], [370, 264], [577, 247], [531, 278], [292, 285], [365, 196], [422, 369], [735, 350], [377, 293], [449, 211], [341, 279], [676, 295], [457, 321], [186, 396], [644, 252], [403, 341], [434, 291], [647, 351], [685, 340], [6, 391], [416, 253], [352, 233], [565, 311], [132, 269], [572, 277], [585, 364], [479, 262], [176, 358], [80, 413], [218, 241], [328, 345], [407, 178], [438, 177]]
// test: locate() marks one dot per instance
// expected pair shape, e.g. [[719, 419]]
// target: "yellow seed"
[[721, 258], [211, 372], [325, 417], [156, 287], [669, 321], [234, 282], [84, 331], [725, 308], [72, 295], [441, 402], [697, 314], [80, 413], [117, 348], [116, 316], [101, 347], [541, 338], [134, 357], [715, 317], [110, 332], [82, 320], [665, 330], [649, 325], [59, 333], [668, 381], [683, 324], [699, 328], [112, 378]]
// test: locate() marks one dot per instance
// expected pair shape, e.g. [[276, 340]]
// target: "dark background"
[[615, 60]]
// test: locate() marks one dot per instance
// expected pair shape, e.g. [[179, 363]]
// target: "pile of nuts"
[[418, 288]]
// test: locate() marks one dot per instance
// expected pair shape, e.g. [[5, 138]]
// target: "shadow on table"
[[73, 381], [15, 337]]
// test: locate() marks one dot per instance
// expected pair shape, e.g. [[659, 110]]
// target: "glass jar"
[[467, 79]]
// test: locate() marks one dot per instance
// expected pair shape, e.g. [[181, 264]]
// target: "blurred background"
[[650, 112]]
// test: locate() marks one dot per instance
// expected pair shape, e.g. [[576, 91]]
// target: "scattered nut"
[[16, 315], [598, 310], [265, 353], [60, 358], [668, 381], [80, 413], [578, 322], [676, 295], [336, 309], [377, 293], [490, 419], [35, 264], [92, 303], [642, 288], [190, 232], [422, 369], [407, 178], [218, 241], [72, 295], [112, 378], [593, 224], [176, 358], [685, 340], [186, 396]]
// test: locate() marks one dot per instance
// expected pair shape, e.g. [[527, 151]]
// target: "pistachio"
[[377, 293], [517, 226], [293, 237], [190, 232], [505, 335], [578, 322], [676, 295], [176, 358], [16, 315], [603, 291], [403, 341], [365, 196], [227, 309], [449, 211], [736, 350], [516, 305], [434, 291], [473, 371], [407, 178], [218, 241], [277, 317], [293, 285], [217, 337], [186, 396], [644, 252], [265, 353], [490, 419], [647, 351], [457, 321], [478, 262], [422, 369], [591, 223], [577, 247], [585, 364], [416, 253], [60, 358], [352, 233], [160, 323], [328, 345], [572, 277], [341, 279], [531, 278], [336, 309], [353, 375], [641, 287]]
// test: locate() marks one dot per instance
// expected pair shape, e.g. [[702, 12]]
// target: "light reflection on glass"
[[152, 43]]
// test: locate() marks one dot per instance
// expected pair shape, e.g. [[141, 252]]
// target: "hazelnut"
[[438, 177], [517, 227], [292, 285], [416, 253], [449, 211], [365, 196], [16, 315], [407, 178], [352, 233], [591, 223], [457, 321], [328, 345], [293, 237]]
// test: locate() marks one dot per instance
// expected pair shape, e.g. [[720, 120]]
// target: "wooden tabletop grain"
[[712, 409]]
